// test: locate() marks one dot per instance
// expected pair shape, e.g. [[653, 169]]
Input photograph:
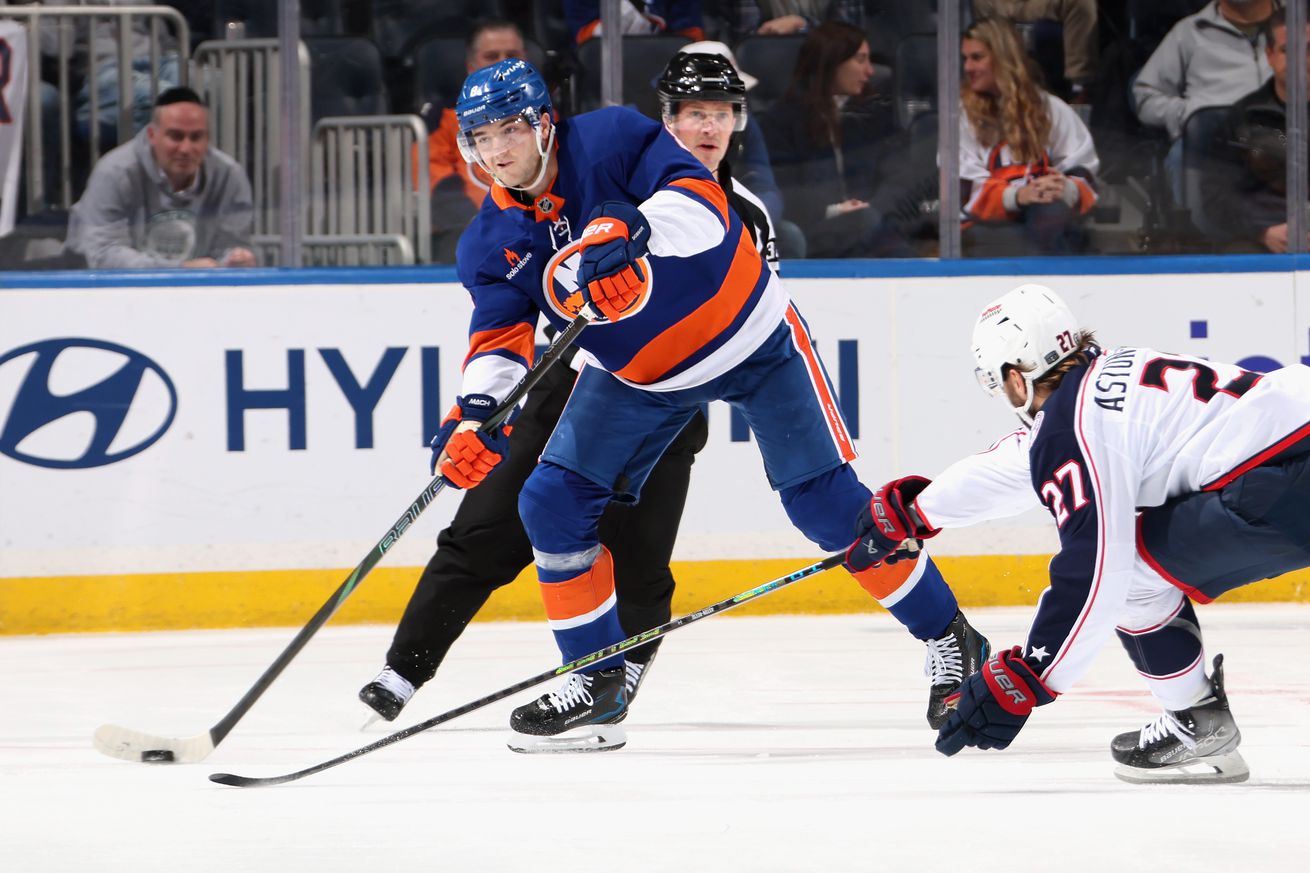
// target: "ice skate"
[[634, 675], [582, 716], [387, 694], [956, 654], [1193, 745]]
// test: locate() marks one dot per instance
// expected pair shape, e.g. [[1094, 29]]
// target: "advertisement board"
[[263, 428]]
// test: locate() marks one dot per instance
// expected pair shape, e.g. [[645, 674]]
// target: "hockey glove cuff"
[[993, 704], [611, 276], [463, 453], [890, 518]]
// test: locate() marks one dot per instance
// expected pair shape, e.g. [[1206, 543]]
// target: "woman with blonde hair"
[[1026, 158]]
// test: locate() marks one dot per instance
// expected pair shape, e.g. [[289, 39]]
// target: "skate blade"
[[593, 738], [1210, 770]]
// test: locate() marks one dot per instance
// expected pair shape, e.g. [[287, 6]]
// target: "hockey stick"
[[632, 642], [130, 745]]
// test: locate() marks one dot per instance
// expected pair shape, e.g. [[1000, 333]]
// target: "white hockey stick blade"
[[130, 745], [594, 738]]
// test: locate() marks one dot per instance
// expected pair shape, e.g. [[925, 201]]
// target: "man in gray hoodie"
[[166, 198]]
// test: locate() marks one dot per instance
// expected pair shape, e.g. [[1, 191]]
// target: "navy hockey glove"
[[610, 277], [465, 454], [890, 518], [993, 704]]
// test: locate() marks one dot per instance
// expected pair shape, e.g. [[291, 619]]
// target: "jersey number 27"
[[1068, 475]]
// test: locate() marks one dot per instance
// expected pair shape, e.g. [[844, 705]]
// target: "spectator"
[[1077, 19], [658, 16], [459, 187], [1211, 58], [1249, 199], [1027, 162], [753, 169], [781, 17], [828, 140], [166, 198]]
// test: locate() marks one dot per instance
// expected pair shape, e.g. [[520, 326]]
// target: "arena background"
[[275, 429]]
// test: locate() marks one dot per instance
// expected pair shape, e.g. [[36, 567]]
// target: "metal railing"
[[56, 29], [340, 250], [241, 80], [369, 176]]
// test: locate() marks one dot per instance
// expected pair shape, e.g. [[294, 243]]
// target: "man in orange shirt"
[[458, 187]]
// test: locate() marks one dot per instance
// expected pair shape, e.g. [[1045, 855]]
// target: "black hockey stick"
[[633, 642], [130, 745]]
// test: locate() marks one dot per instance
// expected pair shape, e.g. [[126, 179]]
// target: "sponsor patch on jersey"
[[517, 263]]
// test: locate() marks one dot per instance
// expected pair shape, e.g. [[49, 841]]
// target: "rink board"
[[207, 455]]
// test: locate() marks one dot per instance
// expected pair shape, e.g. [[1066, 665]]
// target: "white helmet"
[[1031, 329]]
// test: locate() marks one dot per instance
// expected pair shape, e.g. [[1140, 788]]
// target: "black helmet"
[[701, 77]]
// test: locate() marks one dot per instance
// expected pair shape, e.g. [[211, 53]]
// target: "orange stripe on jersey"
[[703, 324], [836, 426], [517, 339], [882, 580], [583, 593], [709, 191]]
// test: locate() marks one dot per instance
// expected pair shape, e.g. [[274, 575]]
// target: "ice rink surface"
[[759, 744]]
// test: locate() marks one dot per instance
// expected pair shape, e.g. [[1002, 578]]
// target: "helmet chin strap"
[[1025, 411]]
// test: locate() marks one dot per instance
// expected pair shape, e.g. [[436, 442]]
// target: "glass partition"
[[181, 135]]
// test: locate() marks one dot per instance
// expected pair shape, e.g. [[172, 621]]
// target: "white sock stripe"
[[579, 620], [920, 564], [564, 562]]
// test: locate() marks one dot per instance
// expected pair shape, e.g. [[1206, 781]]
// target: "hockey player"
[[485, 547], [608, 211], [1172, 479]]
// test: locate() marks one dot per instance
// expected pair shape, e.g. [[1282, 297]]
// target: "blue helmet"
[[505, 89]]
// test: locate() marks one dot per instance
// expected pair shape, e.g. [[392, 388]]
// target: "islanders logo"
[[559, 284]]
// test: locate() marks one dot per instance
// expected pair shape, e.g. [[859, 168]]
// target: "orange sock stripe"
[[582, 594], [883, 580]]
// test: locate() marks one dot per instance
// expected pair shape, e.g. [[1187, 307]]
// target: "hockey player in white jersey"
[[1172, 479]]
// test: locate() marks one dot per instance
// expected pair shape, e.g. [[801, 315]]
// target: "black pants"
[[485, 546]]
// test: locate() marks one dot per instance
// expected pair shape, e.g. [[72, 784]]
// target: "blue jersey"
[[709, 299]]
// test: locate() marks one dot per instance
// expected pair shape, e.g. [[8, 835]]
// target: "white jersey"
[[13, 102], [1131, 430]]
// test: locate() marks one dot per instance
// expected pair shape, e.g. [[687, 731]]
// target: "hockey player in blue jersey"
[[608, 211], [1172, 479]]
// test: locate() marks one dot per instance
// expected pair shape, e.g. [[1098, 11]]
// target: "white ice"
[[759, 744]]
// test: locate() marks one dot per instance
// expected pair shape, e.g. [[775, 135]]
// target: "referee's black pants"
[[485, 546]]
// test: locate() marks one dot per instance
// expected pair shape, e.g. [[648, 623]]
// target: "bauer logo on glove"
[[613, 273]]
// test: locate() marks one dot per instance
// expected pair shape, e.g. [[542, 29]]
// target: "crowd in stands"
[[1112, 126]]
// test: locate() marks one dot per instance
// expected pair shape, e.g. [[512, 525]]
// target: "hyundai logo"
[[80, 403]]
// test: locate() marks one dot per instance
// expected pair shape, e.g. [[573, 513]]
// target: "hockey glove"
[[890, 519], [464, 454], [610, 277], [993, 704]]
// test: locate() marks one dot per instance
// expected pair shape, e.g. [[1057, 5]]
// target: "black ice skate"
[[1197, 744], [387, 694], [636, 674], [957, 653], [582, 716]]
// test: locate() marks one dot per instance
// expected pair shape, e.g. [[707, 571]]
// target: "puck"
[[157, 756]]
